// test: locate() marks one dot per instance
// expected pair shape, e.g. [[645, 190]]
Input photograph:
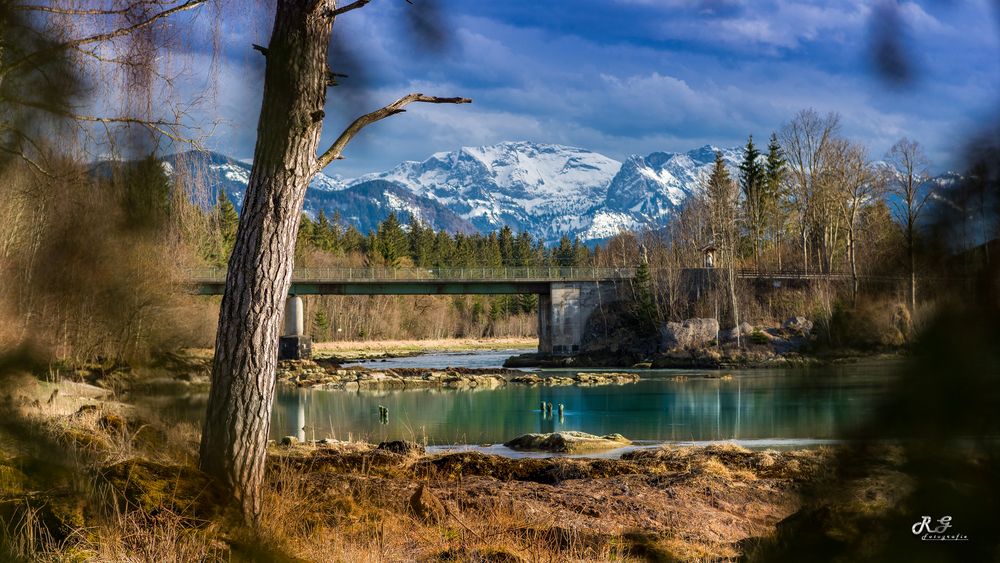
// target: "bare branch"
[[352, 6], [67, 11], [120, 32], [132, 28], [261, 48], [337, 148]]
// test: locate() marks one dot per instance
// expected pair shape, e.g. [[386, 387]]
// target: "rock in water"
[[426, 506], [692, 333], [568, 442]]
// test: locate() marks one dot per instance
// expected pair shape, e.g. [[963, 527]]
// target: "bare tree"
[[722, 195], [286, 157], [857, 185], [806, 143], [908, 182]]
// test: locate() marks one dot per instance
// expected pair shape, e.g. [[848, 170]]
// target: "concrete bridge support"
[[294, 344], [563, 314]]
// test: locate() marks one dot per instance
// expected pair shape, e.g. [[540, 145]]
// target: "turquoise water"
[[776, 407]]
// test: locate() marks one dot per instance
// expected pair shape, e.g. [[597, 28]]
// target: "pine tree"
[[421, 239], [774, 186], [523, 254], [507, 246], [226, 221], [581, 255], [753, 184], [352, 240], [390, 241], [646, 314], [306, 233], [321, 232], [564, 254], [321, 325], [444, 250]]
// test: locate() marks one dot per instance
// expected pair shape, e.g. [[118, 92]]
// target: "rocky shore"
[[326, 374], [697, 343]]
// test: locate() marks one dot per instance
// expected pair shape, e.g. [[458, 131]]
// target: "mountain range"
[[544, 189], [547, 190]]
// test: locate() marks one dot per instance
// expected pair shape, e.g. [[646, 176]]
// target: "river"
[[757, 408]]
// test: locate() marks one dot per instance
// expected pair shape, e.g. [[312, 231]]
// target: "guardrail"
[[218, 275]]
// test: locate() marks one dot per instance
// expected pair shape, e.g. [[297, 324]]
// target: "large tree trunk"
[[234, 439]]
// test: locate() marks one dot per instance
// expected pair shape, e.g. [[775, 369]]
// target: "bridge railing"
[[212, 275]]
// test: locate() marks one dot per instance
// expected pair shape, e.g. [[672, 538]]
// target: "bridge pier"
[[294, 344], [563, 314]]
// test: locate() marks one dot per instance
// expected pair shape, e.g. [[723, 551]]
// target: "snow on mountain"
[[545, 189], [540, 188], [647, 190]]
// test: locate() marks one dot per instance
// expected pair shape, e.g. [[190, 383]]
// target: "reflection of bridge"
[[566, 296]]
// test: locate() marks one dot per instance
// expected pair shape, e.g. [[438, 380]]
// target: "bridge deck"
[[420, 281], [457, 281]]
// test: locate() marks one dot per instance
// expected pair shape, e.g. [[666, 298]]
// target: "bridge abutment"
[[563, 314], [294, 344]]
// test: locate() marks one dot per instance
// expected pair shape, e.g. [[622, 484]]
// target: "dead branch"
[[337, 148], [347, 8]]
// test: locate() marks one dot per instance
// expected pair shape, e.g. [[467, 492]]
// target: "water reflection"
[[753, 405]]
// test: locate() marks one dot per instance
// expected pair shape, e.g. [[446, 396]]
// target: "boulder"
[[401, 447], [567, 442], [798, 325], [426, 506], [729, 335], [692, 333]]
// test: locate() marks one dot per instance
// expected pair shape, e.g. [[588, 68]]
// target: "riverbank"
[[377, 349], [335, 500]]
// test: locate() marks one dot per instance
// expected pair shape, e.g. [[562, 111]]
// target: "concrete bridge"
[[566, 296]]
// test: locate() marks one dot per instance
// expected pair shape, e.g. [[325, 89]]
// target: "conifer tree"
[[321, 232], [646, 314], [753, 184], [226, 221], [353, 240], [507, 246], [390, 241], [321, 325], [774, 181]]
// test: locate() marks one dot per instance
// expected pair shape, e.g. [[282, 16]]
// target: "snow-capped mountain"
[[540, 188], [647, 190], [545, 189]]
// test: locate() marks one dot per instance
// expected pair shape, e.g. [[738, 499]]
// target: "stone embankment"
[[696, 343], [325, 375]]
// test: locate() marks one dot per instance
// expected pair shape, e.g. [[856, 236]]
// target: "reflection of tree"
[[749, 407]]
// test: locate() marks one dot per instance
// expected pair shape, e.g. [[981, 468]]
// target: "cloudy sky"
[[633, 76]]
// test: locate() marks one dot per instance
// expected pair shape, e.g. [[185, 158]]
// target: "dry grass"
[[360, 349]]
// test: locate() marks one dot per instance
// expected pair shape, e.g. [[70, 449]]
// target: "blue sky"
[[633, 76]]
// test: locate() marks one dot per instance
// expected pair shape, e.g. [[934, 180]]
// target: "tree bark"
[[237, 423]]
